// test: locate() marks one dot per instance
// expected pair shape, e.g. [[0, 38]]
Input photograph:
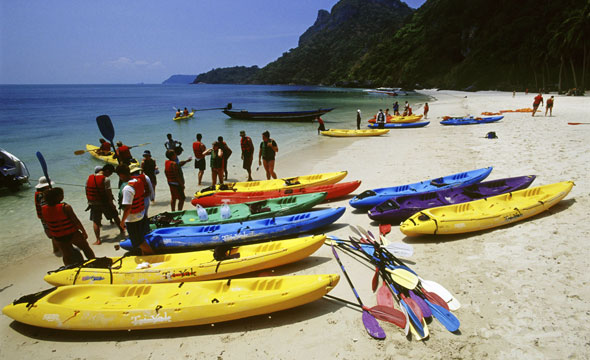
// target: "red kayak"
[[334, 191]]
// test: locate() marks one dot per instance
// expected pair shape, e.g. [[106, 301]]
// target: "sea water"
[[60, 119]]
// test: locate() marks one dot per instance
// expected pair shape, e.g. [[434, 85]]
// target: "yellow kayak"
[[486, 213], [190, 266], [276, 184], [353, 133], [190, 115], [110, 158], [151, 306], [405, 119]]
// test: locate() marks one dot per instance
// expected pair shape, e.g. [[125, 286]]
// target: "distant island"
[[180, 79], [487, 45]]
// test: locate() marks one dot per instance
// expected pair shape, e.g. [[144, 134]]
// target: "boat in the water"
[[333, 191], [370, 198], [13, 172], [486, 213], [184, 117], [107, 307], [308, 115], [232, 234], [110, 158], [398, 209]]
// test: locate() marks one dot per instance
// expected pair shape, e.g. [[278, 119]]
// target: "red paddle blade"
[[375, 282], [388, 314], [384, 296], [413, 306], [384, 229], [435, 299]]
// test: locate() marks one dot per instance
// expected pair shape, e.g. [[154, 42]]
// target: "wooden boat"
[[238, 212], [354, 132], [486, 213], [190, 115], [333, 191], [104, 307], [275, 184], [280, 116], [189, 266], [92, 150]]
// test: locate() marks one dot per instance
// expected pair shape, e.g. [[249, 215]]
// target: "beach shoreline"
[[523, 287]]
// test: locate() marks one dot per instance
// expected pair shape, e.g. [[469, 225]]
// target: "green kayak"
[[238, 212]]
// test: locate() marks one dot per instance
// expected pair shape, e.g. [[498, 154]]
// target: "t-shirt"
[[128, 194]]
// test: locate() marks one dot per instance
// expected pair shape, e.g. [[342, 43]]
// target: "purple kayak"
[[398, 209]]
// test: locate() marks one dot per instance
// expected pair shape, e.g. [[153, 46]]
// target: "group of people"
[[538, 100], [181, 113]]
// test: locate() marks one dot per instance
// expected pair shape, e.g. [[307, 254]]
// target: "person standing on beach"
[[150, 169], [198, 149], [267, 154], [226, 154], [216, 163], [426, 108], [172, 144], [396, 109], [358, 119], [247, 153], [173, 171], [39, 202], [321, 126], [549, 106], [380, 119], [134, 218], [536, 102], [64, 226], [100, 200]]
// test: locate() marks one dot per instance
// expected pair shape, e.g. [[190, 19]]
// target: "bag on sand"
[[491, 135]]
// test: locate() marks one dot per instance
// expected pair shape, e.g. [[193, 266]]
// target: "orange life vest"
[[105, 147], [124, 153], [138, 204], [95, 190], [58, 223], [172, 171]]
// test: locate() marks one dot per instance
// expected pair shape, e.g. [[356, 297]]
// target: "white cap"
[[97, 169], [43, 183]]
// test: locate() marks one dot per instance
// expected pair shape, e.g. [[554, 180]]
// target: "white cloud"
[[124, 62]]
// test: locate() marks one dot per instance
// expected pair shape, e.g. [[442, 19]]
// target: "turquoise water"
[[59, 119]]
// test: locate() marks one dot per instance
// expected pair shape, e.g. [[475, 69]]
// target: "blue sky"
[[132, 41]]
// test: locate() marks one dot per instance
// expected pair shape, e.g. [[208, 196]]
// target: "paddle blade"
[[106, 127], [441, 291], [79, 152], [448, 320], [404, 278], [400, 249], [384, 296], [435, 299], [422, 304], [388, 314], [375, 282], [43, 167], [384, 229], [372, 326]]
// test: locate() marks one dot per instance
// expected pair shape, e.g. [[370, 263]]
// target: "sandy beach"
[[523, 287]]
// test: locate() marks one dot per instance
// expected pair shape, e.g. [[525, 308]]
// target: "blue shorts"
[[137, 231]]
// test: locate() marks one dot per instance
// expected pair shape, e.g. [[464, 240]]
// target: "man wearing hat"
[[150, 169], [39, 202], [100, 200], [247, 153]]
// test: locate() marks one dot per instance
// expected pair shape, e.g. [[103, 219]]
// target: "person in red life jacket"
[[536, 102], [134, 218], [321, 126], [267, 154], [64, 226], [226, 154], [101, 201], [175, 179], [426, 108], [150, 169], [198, 149], [216, 163], [247, 153], [124, 153], [104, 149], [185, 112], [39, 202]]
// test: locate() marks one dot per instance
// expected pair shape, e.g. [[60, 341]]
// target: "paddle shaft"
[[578, 123]]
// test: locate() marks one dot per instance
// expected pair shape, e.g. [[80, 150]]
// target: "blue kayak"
[[400, 125], [370, 198], [471, 120], [200, 237]]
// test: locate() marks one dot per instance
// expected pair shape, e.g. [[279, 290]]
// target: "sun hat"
[[97, 169], [43, 183]]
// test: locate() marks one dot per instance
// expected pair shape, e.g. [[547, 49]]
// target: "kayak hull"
[[354, 133], [374, 197], [189, 266], [333, 191], [398, 209], [401, 125], [154, 306], [486, 213], [471, 120]]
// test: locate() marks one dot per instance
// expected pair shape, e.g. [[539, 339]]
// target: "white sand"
[[524, 288]]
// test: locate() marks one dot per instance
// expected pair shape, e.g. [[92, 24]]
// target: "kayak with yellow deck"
[[274, 184], [93, 150], [190, 266], [354, 133], [486, 213], [103, 307], [184, 117]]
